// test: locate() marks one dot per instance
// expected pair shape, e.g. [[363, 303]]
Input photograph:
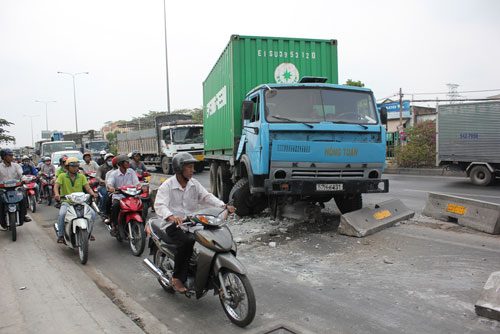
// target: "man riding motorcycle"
[[102, 158], [88, 165], [101, 177], [11, 171], [62, 166], [121, 177], [136, 162], [176, 198], [47, 166], [29, 169], [68, 183]]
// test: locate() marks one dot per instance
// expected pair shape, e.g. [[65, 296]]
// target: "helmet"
[[134, 153], [102, 152], [72, 162], [114, 161], [121, 158], [25, 157], [181, 159], [47, 159], [63, 159], [6, 151], [109, 155], [87, 153]]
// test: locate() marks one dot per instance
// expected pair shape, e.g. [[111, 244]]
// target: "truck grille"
[[293, 148], [327, 173]]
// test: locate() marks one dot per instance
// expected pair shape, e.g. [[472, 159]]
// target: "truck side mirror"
[[247, 110], [383, 115]]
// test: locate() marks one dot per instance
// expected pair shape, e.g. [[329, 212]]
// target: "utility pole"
[[400, 116]]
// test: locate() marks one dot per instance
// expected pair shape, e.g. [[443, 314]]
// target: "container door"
[[252, 130]]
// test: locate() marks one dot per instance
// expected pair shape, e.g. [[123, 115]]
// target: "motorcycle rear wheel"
[[159, 259], [13, 225], [83, 245], [241, 306], [137, 240], [32, 203]]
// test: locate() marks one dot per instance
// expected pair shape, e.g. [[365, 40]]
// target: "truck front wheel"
[[348, 203], [166, 166], [244, 202], [480, 175]]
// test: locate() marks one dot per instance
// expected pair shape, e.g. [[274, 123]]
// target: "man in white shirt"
[[177, 197], [88, 165], [11, 171], [119, 178]]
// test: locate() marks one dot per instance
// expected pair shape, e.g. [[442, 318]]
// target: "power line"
[[455, 100], [468, 91]]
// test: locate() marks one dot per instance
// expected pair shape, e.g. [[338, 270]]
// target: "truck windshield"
[[99, 146], [187, 135], [49, 148], [298, 105]]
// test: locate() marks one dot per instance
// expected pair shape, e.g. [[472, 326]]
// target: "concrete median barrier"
[[488, 304], [479, 215], [368, 221]]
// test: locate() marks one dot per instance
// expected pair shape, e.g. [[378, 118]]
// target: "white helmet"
[[102, 152]]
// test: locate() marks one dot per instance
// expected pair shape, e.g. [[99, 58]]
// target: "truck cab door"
[[252, 130]]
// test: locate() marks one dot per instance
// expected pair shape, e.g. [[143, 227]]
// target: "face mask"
[[109, 163]]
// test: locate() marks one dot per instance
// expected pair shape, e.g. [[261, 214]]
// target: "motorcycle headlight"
[[12, 208]]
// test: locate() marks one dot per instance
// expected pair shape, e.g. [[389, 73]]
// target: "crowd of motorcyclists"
[[177, 197]]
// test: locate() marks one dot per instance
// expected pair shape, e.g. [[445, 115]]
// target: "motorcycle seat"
[[162, 234]]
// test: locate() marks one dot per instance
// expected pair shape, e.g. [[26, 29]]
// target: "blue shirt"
[[29, 170]]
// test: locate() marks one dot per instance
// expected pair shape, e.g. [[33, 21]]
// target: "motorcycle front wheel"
[[13, 225], [49, 196], [137, 240], [83, 245], [32, 202], [239, 305]]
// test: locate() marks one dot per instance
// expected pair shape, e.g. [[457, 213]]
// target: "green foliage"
[[4, 136], [420, 150], [111, 138], [350, 82], [197, 114]]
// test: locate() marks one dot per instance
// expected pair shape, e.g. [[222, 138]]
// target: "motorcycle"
[[213, 265], [29, 185], [94, 184], [144, 178], [130, 224], [47, 181], [78, 224], [11, 195]]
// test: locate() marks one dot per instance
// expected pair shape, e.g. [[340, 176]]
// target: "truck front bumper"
[[325, 187]]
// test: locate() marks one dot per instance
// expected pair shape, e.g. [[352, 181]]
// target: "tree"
[[4, 137], [350, 82], [197, 114], [421, 147]]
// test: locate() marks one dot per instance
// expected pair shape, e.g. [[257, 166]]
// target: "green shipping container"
[[248, 61]]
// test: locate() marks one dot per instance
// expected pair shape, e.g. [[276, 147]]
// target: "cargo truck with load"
[[172, 133], [468, 138], [279, 129]]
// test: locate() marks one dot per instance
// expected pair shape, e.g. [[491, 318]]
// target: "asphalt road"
[[419, 277]]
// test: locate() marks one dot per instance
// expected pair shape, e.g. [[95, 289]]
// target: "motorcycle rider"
[[68, 183], [8, 171], [29, 169], [62, 166], [136, 162], [178, 197], [123, 176], [88, 165], [47, 166], [101, 177], [102, 158]]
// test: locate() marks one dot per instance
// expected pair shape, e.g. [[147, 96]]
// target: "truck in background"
[[295, 139], [468, 138], [172, 133], [89, 141], [46, 148]]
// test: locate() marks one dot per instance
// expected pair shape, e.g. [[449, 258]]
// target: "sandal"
[[60, 240], [92, 238], [113, 232]]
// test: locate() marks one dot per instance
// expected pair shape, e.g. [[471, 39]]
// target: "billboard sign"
[[393, 109]]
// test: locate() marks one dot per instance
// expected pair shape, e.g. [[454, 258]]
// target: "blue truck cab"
[[311, 141]]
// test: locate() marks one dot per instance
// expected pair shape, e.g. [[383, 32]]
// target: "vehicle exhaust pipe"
[[156, 271]]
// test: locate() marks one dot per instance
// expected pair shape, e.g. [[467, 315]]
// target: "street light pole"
[[74, 92], [31, 118], [166, 53], [46, 114]]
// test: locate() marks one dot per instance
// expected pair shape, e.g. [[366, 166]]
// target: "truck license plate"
[[329, 187]]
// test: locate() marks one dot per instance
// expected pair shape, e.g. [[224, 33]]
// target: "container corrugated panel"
[[247, 62], [469, 132]]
